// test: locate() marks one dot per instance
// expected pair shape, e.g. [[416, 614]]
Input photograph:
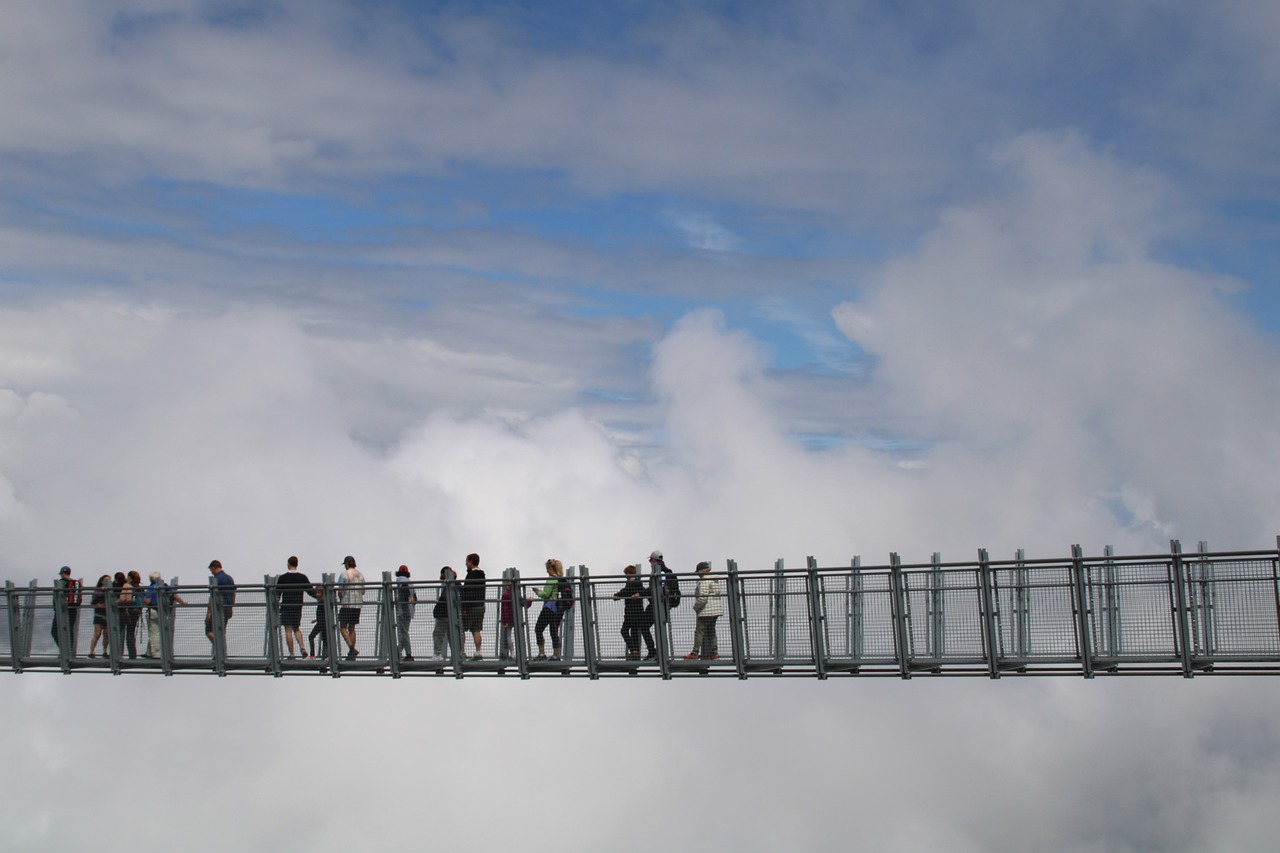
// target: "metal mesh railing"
[[1177, 613]]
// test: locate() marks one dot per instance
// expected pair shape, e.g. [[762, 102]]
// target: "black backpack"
[[565, 598], [670, 588]]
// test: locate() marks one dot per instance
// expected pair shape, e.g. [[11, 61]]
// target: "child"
[[321, 628], [508, 619]]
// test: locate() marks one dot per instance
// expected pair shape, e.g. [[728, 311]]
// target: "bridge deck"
[[1192, 614]]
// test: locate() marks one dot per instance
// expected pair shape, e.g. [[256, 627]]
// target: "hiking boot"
[[351, 655], [712, 656], [691, 656]]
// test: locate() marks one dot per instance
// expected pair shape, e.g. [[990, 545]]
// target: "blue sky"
[[731, 280]]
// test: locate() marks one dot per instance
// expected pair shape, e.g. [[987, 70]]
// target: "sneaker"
[[437, 657], [351, 655], [713, 656], [554, 657], [691, 656], [409, 658], [541, 657], [651, 656], [290, 657], [477, 657]]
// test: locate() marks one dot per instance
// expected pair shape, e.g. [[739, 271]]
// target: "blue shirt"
[[226, 585]]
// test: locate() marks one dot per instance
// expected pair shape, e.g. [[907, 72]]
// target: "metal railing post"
[[1084, 645], [1022, 607], [519, 626], [737, 637], [61, 615], [452, 590], [1208, 601], [817, 618], [11, 603], [217, 628], [936, 625], [332, 639], [590, 646], [988, 614], [857, 622], [1181, 621], [658, 605], [569, 620], [779, 611], [167, 615], [897, 603], [391, 623], [273, 624]]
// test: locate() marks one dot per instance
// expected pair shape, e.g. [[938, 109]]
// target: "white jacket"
[[707, 598]]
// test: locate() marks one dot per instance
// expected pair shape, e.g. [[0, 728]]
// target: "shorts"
[[348, 616], [291, 615], [99, 618], [473, 617], [208, 620]]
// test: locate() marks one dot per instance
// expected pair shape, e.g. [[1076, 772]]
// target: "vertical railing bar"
[[1083, 637], [935, 641], [273, 625], [164, 607], [857, 611], [519, 641], [658, 603], [115, 640], [988, 613], [1111, 645], [1208, 600], [587, 604], [1182, 627], [780, 611], [218, 628], [391, 624], [10, 597], [453, 604], [897, 606], [1022, 607], [817, 640], [568, 620], [332, 637], [737, 636]]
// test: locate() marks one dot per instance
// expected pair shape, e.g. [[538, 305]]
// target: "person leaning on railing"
[[550, 616], [635, 623]]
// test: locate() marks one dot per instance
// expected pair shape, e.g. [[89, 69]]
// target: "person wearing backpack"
[[442, 639], [129, 608], [553, 608]]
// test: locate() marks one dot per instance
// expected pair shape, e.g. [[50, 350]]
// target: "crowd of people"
[[131, 600]]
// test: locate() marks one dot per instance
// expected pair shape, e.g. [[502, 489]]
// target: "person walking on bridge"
[[406, 603], [707, 605], [69, 588], [291, 585], [226, 591], [350, 599]]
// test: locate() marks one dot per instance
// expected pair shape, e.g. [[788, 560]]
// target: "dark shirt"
[[634, 610], [292, 585], [473, 588]]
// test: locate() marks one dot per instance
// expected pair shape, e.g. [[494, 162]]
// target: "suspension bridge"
[[1175, 613]]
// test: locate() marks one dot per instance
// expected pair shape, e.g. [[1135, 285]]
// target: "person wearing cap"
[[227, 591], [350, 599], [666, 585], [291, 586], [707, 605], [406, 600], [70, 587]]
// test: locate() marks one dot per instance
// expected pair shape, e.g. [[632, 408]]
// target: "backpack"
[[670, 588], [137, 598], [564, 600], [169, 595], [74, 594]]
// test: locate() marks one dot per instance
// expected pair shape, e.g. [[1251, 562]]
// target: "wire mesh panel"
[[1233, 607], [1034, 613], [944, 614], [1143, 626], [192, 621], [859, 617]]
